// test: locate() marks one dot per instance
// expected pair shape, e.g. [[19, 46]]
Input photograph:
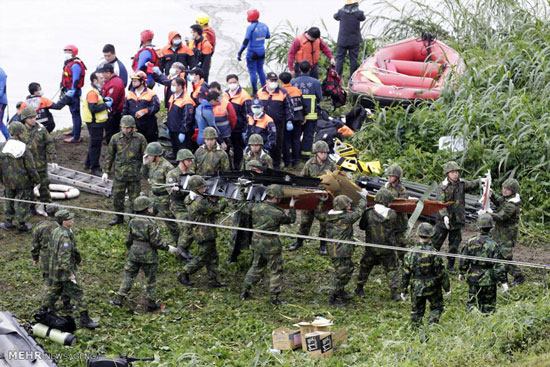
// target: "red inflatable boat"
[[405, 72]]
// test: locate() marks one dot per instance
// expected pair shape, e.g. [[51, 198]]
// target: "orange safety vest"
[[264, 95], [197, 89], [67, 78], [221, 117], [148, 95], [310, 51], [239, 98], [261, 123], [180, 102]]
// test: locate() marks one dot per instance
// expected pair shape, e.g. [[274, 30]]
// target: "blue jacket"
[[204, 117], [144, 58], [3, 79], [312, 93], [254, 39], [120, 70]]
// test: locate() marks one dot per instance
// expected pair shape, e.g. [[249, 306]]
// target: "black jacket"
[[350, 18]]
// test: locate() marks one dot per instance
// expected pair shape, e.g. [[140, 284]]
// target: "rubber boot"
[[296, 245], [334, 301], [359, 290], [152, 306], [183, 278], [451, 265], [86, 321], [274, 299], [323, 248], [117, 301], [118, 220]]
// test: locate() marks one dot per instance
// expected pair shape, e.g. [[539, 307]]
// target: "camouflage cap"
[[451, 166], [27, 112], [341, 202], [511, 184], [184, 154], [210, 133], [254, 164], [63, 214], [195, 183], [16, 128], [51, 209], [154, 148], [425, 230], [394, 170], [320, 146], [485, 221], [384, 196], [127, 121], [255, 139], [141, 203], [275, 191]]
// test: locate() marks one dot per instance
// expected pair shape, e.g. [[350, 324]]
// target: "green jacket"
[[125, 156], [456, 193], [506, 219], [64, 256], [379, 228], [17, 168], [143, 241], [312, 168], [482, 273], [424, 272], [399, 191], [211, 162], [262, 157], [203, 209], [156, 173], [41, 239], [42, 147]]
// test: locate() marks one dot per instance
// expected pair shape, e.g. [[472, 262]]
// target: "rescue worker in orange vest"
[[180, 119], [203, 20], [176, 71], [224, 113], [278, 105], [241, 101], [42, 106], [95, 112], [202, 50], [175, 51], [308, 46], [262, 124], [147, 56], [291, 144], [199, 88], [72, 81], [142, 104]]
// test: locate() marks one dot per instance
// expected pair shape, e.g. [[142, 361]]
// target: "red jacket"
[[114, 88]]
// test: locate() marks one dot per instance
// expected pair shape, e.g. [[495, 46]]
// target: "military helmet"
[[275, 191], [210, 133], [451, 166], [254, 164], [394, 170], [63, 214], [511, 184], [16, 128], [127, 121], [425, 230], [485, 221], [141, 203], [195, 183], [27, 112], [184, 154], [341, 202], [154, 148], [255, 139], [384, 196], [51, 209], [320, 146]]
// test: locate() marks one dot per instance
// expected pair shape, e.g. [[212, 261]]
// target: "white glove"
[[144, 160], [176, 188], [480, 212], [323, 197], [292, 202], [403, 297], [504, 287], [460, 278], [104, 178], [172, 249], [447, 222], [364, 193], [55, 167], [448, 294]]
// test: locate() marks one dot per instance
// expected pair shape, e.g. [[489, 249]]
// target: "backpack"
[[62, 323], [327, 129], [332, 87]]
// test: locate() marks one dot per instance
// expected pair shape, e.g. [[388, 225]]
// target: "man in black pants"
[[349, 35]]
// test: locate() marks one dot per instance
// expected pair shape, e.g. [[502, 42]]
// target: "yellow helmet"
[[203, 19]]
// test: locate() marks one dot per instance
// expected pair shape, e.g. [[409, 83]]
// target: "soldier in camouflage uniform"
[[426, 274], [125, 155], [267, 248], [155, 171], [482, 277], [506, 220], [143, 241], [378, 223], [398, 190], [339, 222], [256, 152], [210, 158], [203, 209], [185, 167], [451, 219], [64, 258], [41, 145], [314, 167], [18, 175]]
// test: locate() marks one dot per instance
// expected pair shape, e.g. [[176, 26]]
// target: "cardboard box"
[[286, 339], [305, 328], [319, 344], [339, 338], [321, 324]]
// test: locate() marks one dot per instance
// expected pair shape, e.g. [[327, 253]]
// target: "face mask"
[[173, 71], [233, 86], [176, 41], [173, 89], [273, 85], [68, 56], [257, 111], [190, 77], [41, 93]]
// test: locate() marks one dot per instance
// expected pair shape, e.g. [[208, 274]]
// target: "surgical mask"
[[257, 111], [233, 86], [173, 71], [173, 89], [273, 85], [190, 77], [41, 94], [176, 41], [68, 56]]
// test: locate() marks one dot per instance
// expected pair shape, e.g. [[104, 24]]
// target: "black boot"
[[24, 227], [323, 248], [152, 306], [118, 220], [245, 294], [296, 245], [216, 284], [7, 225], [345, 295], [67, 305], [183, 278], [451, 265], [517, 281], [395, 296], [117, 301], [334, 301], [274, 299], [86, 321], [359, 290]]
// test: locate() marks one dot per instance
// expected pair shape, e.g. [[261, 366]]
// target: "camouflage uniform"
[[18, 175], [482, 277], [41, 239], [143, 241], [125, 155], [211, 162], [178, 208], [262, 157], [267, 248], [426, 274], [42, 147], [401, 224], [156, 173], [203, 209]]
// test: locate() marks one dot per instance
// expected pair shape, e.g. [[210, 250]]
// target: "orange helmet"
[[139, 75], [72, 48], [252, 15], [147, 35]]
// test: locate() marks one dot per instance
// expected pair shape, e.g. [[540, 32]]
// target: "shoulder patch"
[[66, 245]]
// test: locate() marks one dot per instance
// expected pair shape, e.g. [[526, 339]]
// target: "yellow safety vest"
[[101, 116]]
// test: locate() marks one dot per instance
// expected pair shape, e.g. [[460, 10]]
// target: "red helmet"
[[252, 15], [147, 35], [139, 75], [72, 48]]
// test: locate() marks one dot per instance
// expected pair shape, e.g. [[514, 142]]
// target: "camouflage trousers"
[[388, 260], [507, 251], [275, 264], [343, 269], [47, 282], [240, 239], [484, 298], [401, 241], [307, 222], [185, 238], [207, 256], [161, 208], [14, 210], [131, 270], [44, 189], [71, 290], [455, 237], [119, 193], [419, 307]]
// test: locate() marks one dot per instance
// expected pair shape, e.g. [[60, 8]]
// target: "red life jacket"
[[67, 78], [154, 58]]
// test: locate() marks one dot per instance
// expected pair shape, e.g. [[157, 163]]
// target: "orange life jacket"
[[222, 118], [310, 51], [67, 78]]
